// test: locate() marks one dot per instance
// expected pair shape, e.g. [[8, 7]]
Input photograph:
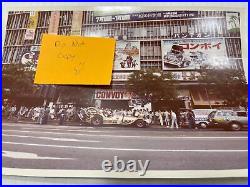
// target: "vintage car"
[[229, 119], [99, 117]]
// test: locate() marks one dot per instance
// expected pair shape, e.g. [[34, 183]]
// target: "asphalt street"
[[31, 146]]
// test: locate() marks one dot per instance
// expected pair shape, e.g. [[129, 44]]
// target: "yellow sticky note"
[[75, 60]]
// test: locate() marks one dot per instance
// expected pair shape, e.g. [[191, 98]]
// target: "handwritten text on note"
[[75, 60]]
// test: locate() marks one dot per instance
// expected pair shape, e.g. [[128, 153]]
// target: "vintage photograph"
[[177, 105]]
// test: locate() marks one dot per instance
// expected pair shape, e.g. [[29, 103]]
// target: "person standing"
[[191, 119], [174, 120], [167, 119], [160, 118], [41, 115]]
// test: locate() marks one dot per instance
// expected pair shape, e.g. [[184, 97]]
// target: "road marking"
[[70, 130], [126, 136], [149, 174], [55, 126], [129, 149], [23, 155], [49, 138]]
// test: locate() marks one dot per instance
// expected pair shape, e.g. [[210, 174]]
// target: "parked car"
[[99, 117], [229, 119], [201, 117]]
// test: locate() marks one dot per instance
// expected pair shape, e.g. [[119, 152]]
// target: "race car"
[[97, 117]]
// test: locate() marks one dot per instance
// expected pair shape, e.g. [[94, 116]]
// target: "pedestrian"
[[160, 118], [61, 115], [41, 115], [45, 116], [167, 119], [191, 119], [174, 120]]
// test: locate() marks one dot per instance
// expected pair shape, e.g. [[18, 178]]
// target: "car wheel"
[[203, 125], [96, 120], [235, 126], [140, 123]]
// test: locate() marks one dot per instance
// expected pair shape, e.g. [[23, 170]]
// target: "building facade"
[[180, 42]]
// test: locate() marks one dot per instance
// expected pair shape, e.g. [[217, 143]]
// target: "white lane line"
[[55, 126], [149, 174], [68, 130], [126, 136], [49, 138], [129, 149], [24, 155]]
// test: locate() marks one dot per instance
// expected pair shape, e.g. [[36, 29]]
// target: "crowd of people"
[[41, 115], [167, 118], [38, 114]]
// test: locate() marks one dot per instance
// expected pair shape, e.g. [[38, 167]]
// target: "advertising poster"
[[31, 28], [233, 21], [127, 56], [194, 53]]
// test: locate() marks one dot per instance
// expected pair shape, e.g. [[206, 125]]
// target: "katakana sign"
[[194, 53]]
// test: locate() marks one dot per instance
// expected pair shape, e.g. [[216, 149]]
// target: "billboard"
[[127, 55], [194, 53], [141, 16]]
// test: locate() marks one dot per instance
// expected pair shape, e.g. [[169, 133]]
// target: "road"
[[83, 148]]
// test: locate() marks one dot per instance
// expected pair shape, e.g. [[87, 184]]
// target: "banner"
[[76, 23], [31, 28], [113, 95], [194, 53], [54, 22], [127, 56], [140, 16]]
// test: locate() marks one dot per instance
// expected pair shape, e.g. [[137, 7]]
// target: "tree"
[[152, 85], [228, 84], [17, 80]]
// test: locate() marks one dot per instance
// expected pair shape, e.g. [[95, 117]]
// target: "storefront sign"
[[120, 76], [194, 54], [127, 56], [113, 95], [146, 16], [191, 35]]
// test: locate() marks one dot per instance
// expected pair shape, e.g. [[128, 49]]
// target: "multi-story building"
[[210, 37]]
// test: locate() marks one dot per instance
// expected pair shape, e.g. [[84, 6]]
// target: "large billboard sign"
[[194, 53], [140, 16], [127, 55]]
